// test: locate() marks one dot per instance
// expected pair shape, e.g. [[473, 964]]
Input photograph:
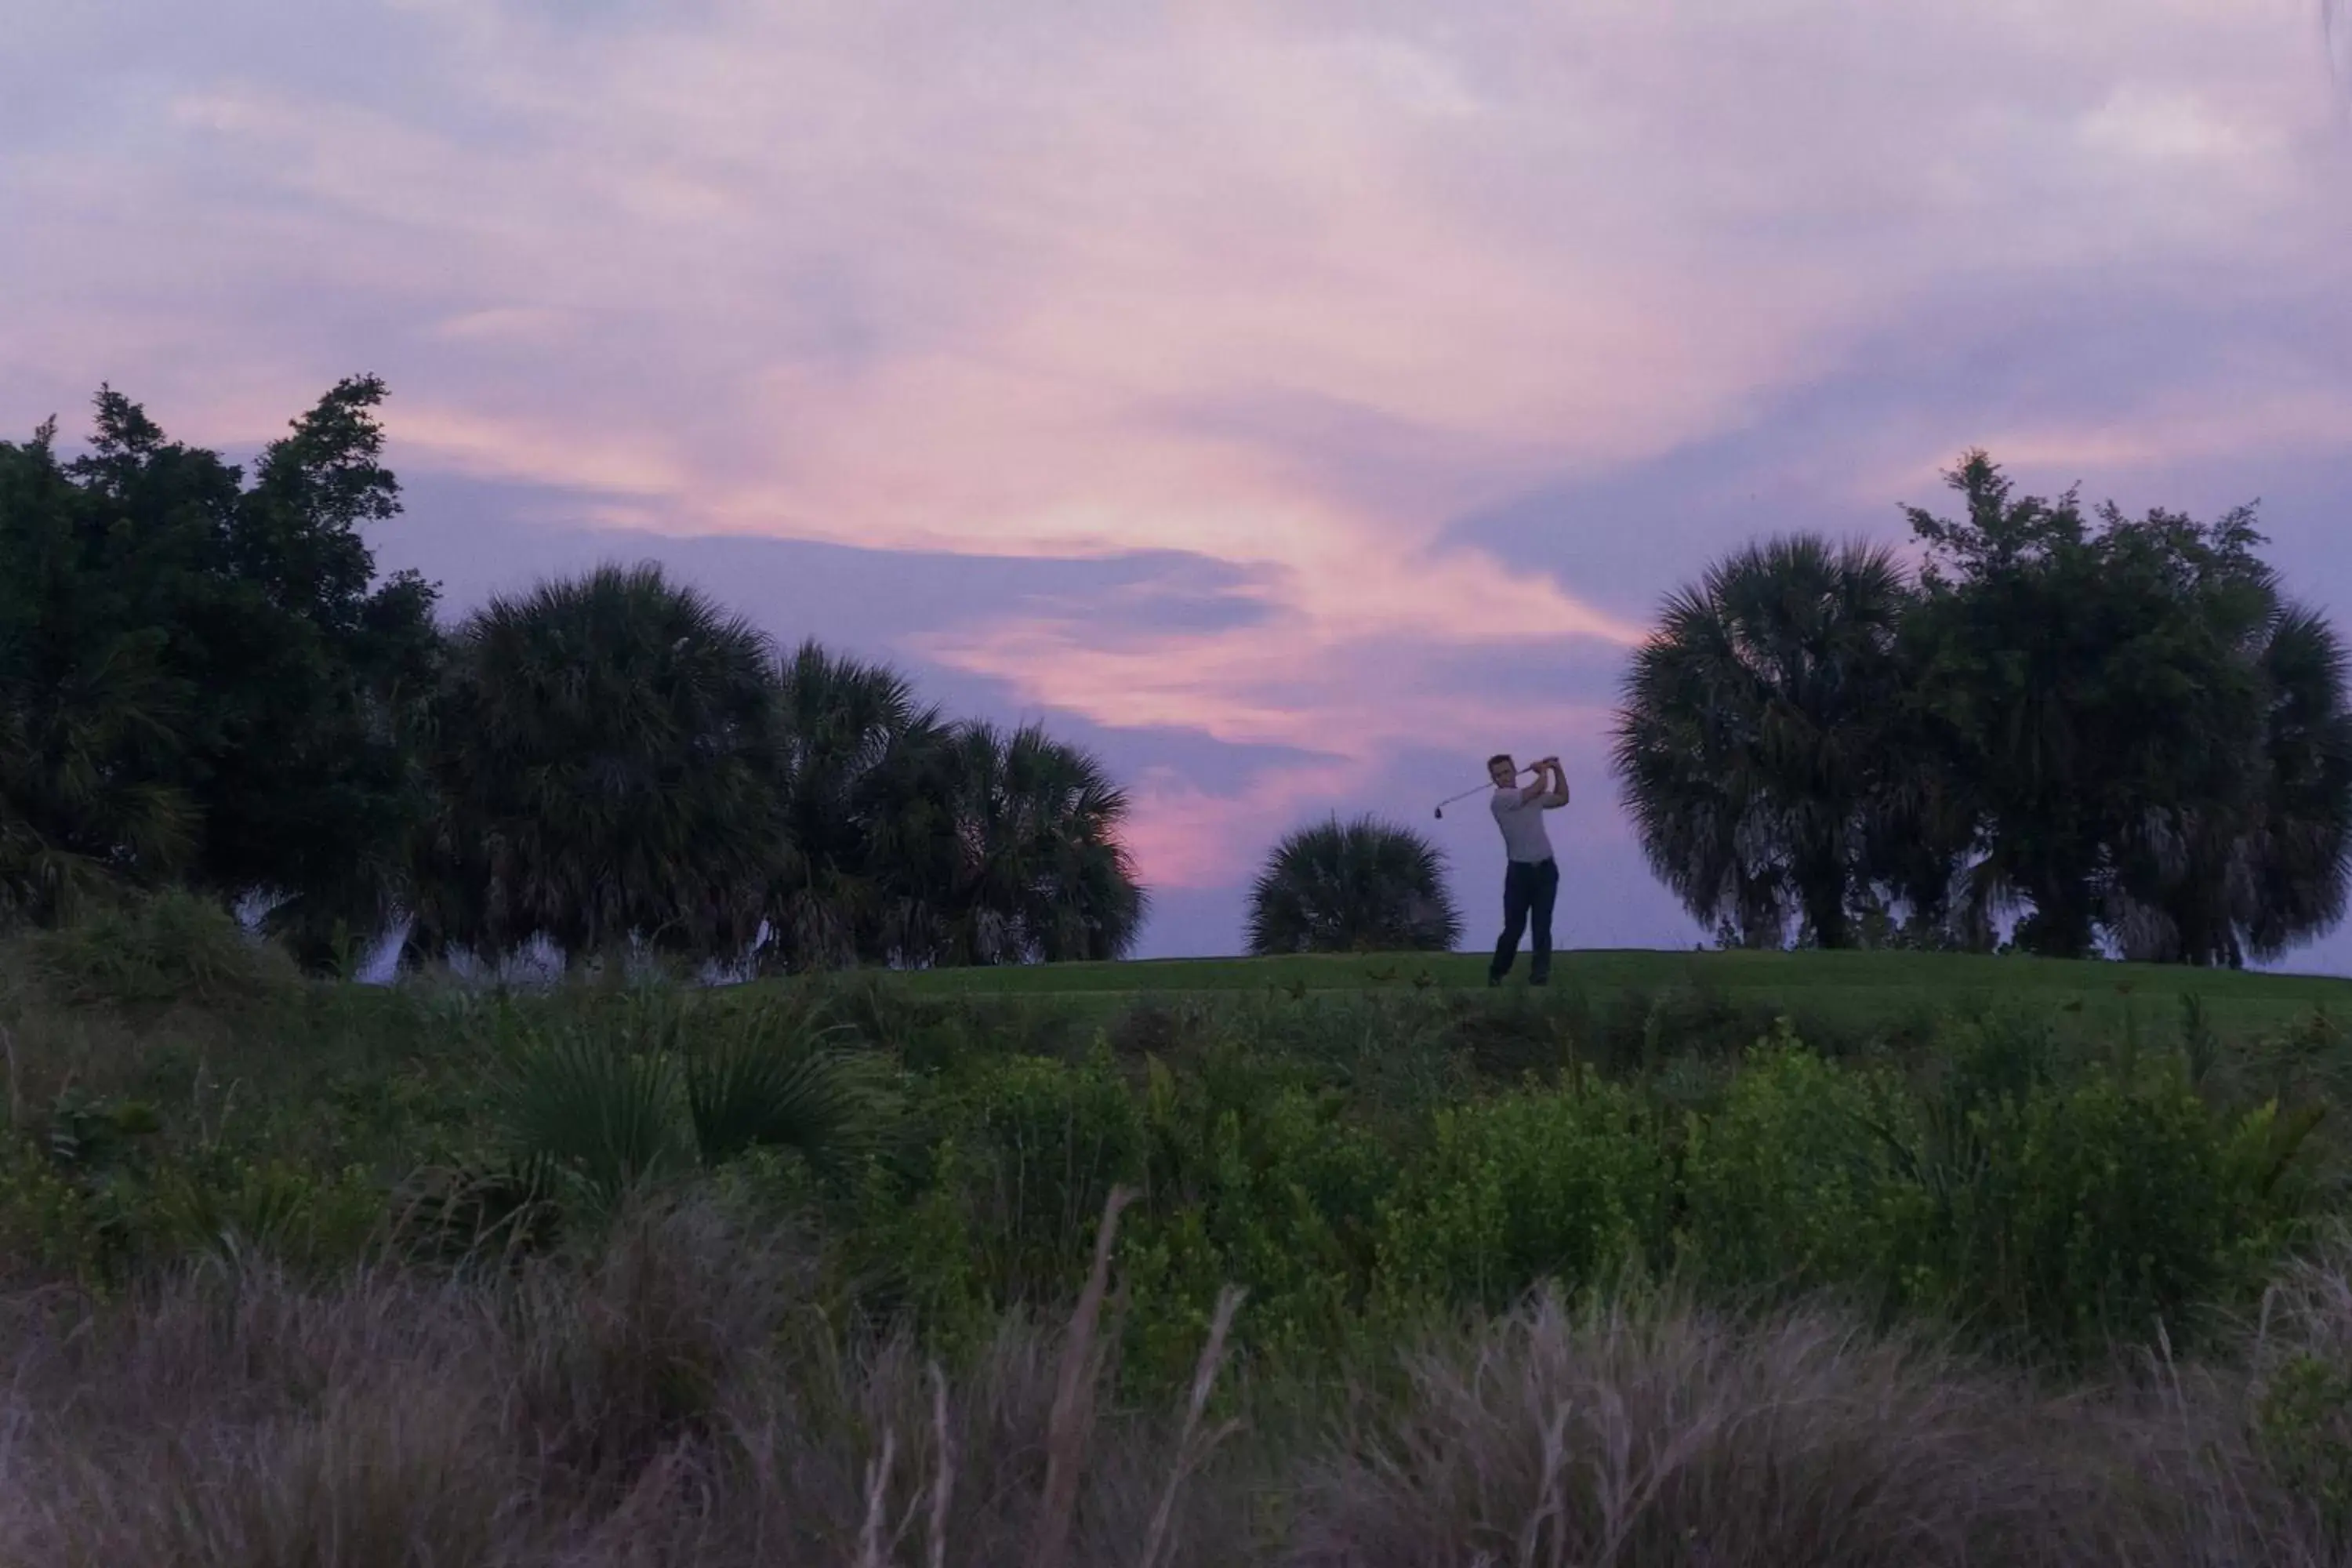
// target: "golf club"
[[1466, 793]]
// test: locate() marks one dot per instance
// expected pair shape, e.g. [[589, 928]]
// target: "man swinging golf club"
[[1531, 882]]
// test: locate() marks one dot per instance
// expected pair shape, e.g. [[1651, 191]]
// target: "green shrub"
[[1797, 1181], [307, 1219], [89, 1133], [1565, 1183], [1396, 1057], [2305, 1421], [602, 1099], [47, 1228], [89, 1209], [1052, 1140], [1262, 1184], [173, 948], [998, 1181], [2079, 1213]]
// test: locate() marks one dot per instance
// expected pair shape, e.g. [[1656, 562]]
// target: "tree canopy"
[[205, 680], [2117, 730]]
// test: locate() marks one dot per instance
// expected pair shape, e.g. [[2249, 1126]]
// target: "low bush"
[[607, 1102], [2119, 1206], [1254, 1182], [1353, 1162], [1570, 1184], [170, 948], [2302, 1392], [1796, 1182]]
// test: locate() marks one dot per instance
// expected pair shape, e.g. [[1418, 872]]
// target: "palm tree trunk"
[[1823, 889]]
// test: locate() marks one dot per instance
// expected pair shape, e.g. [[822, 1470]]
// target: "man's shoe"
[[1493, 981], [1539, 979]]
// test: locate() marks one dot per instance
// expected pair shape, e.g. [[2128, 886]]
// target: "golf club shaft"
[[1466, 793]]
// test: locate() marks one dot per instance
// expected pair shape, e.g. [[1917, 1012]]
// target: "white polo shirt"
[[1524, 839]]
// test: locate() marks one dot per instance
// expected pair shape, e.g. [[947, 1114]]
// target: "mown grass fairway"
[[1852, 989]]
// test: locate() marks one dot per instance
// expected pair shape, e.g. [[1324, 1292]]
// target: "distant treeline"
[[204, 682], [2087, 731]]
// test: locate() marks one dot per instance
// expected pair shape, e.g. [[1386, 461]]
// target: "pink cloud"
[[1184, 836]]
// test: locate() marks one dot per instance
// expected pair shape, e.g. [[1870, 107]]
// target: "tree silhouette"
[[2116, 729], [1355, 887], [604, 750], [1754, 742], [2093, 683], [1026, 861], [205, 679], [2264, 866], [857, 761]]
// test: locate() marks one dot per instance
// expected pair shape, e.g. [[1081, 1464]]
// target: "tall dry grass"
[[670, 1400], [1638, 1438], [673, 1399]]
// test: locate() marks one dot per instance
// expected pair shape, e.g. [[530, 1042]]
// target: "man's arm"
[[1556, 793]]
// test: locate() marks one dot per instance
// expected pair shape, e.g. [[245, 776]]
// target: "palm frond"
[[1355, 887], [578, 1099], [778, 1080], [604, 749]]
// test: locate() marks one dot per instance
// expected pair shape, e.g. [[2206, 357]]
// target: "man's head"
[[1502, 770]]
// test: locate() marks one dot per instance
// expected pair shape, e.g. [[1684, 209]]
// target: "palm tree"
[[2252, 871], [1753, 742], [2299, 853], [605, 753], [1358, 887], [1024, 863], [852, 752]]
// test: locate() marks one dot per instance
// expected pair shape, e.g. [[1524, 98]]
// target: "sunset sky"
[[1293, 401]]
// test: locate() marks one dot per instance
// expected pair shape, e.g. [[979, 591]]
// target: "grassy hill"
[[1853, 990], [701, 1275]]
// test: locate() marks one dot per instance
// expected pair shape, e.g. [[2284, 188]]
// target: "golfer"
[[1531, 882]]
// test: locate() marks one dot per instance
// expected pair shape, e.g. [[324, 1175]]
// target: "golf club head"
[[1441, 814]]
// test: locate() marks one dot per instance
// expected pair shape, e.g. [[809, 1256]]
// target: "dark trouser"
[[1528, 891]]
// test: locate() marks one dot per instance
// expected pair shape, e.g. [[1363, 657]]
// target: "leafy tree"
[[1357, 887], [1758, 742], [2098, 686], [605, 751], [2115, 725], [204, 680], [912, 841], [91, 714], [313, 780], [207, 677]]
